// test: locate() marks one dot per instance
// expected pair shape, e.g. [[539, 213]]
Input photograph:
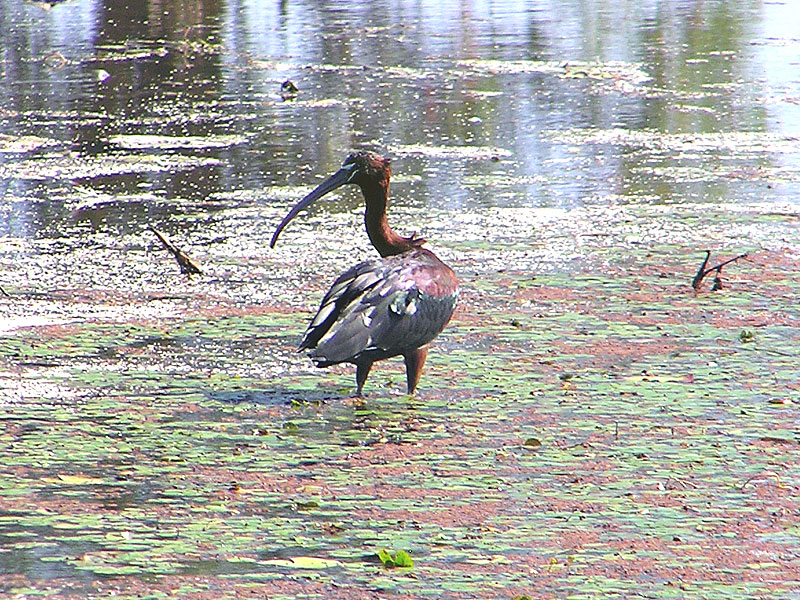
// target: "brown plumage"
[[380, 308]]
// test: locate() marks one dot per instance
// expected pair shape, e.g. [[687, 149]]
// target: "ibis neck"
[[386, 241]]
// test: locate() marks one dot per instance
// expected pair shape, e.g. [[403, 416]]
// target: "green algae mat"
[[599, 431]]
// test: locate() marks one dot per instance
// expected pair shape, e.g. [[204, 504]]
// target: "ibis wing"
[[344, 293], [410, 319], [377, 308]]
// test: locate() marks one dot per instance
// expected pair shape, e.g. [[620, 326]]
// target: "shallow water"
[[513, 79], [570, 160]]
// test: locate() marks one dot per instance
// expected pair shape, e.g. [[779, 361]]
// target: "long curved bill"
[[338, 179]]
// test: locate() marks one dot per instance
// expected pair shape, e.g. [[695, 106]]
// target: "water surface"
[[586, 426]]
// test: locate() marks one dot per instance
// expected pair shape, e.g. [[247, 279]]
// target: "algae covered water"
[[588, 424]]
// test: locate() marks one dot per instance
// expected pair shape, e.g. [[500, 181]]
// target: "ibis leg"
[[414, 362], [362, 370]]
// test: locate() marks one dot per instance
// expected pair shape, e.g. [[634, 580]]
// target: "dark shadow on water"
[[272, 397]]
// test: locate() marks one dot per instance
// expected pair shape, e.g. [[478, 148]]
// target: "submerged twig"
[[186, 264], [764, 475], [717, 285], [702, 271], [683, 483]]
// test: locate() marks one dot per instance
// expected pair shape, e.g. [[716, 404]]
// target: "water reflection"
[[386, 74]]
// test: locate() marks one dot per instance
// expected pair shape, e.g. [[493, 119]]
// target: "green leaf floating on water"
[[303, 562], [306, 504], [400, 559], [532, 443], [74, 480]]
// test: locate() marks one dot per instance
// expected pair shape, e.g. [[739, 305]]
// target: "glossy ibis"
[[389, 306]]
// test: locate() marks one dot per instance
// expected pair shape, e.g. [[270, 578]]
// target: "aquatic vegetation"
[[21, 144], [589, 426], [569, 69], [397, 559], [733, 143], [154, 142], [69, 166], [567, 410], [460, 152]]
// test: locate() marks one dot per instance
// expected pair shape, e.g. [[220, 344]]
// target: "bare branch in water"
[[186, 264], [702, 271]]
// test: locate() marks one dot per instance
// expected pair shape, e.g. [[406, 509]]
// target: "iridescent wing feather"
[[380, 308]]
